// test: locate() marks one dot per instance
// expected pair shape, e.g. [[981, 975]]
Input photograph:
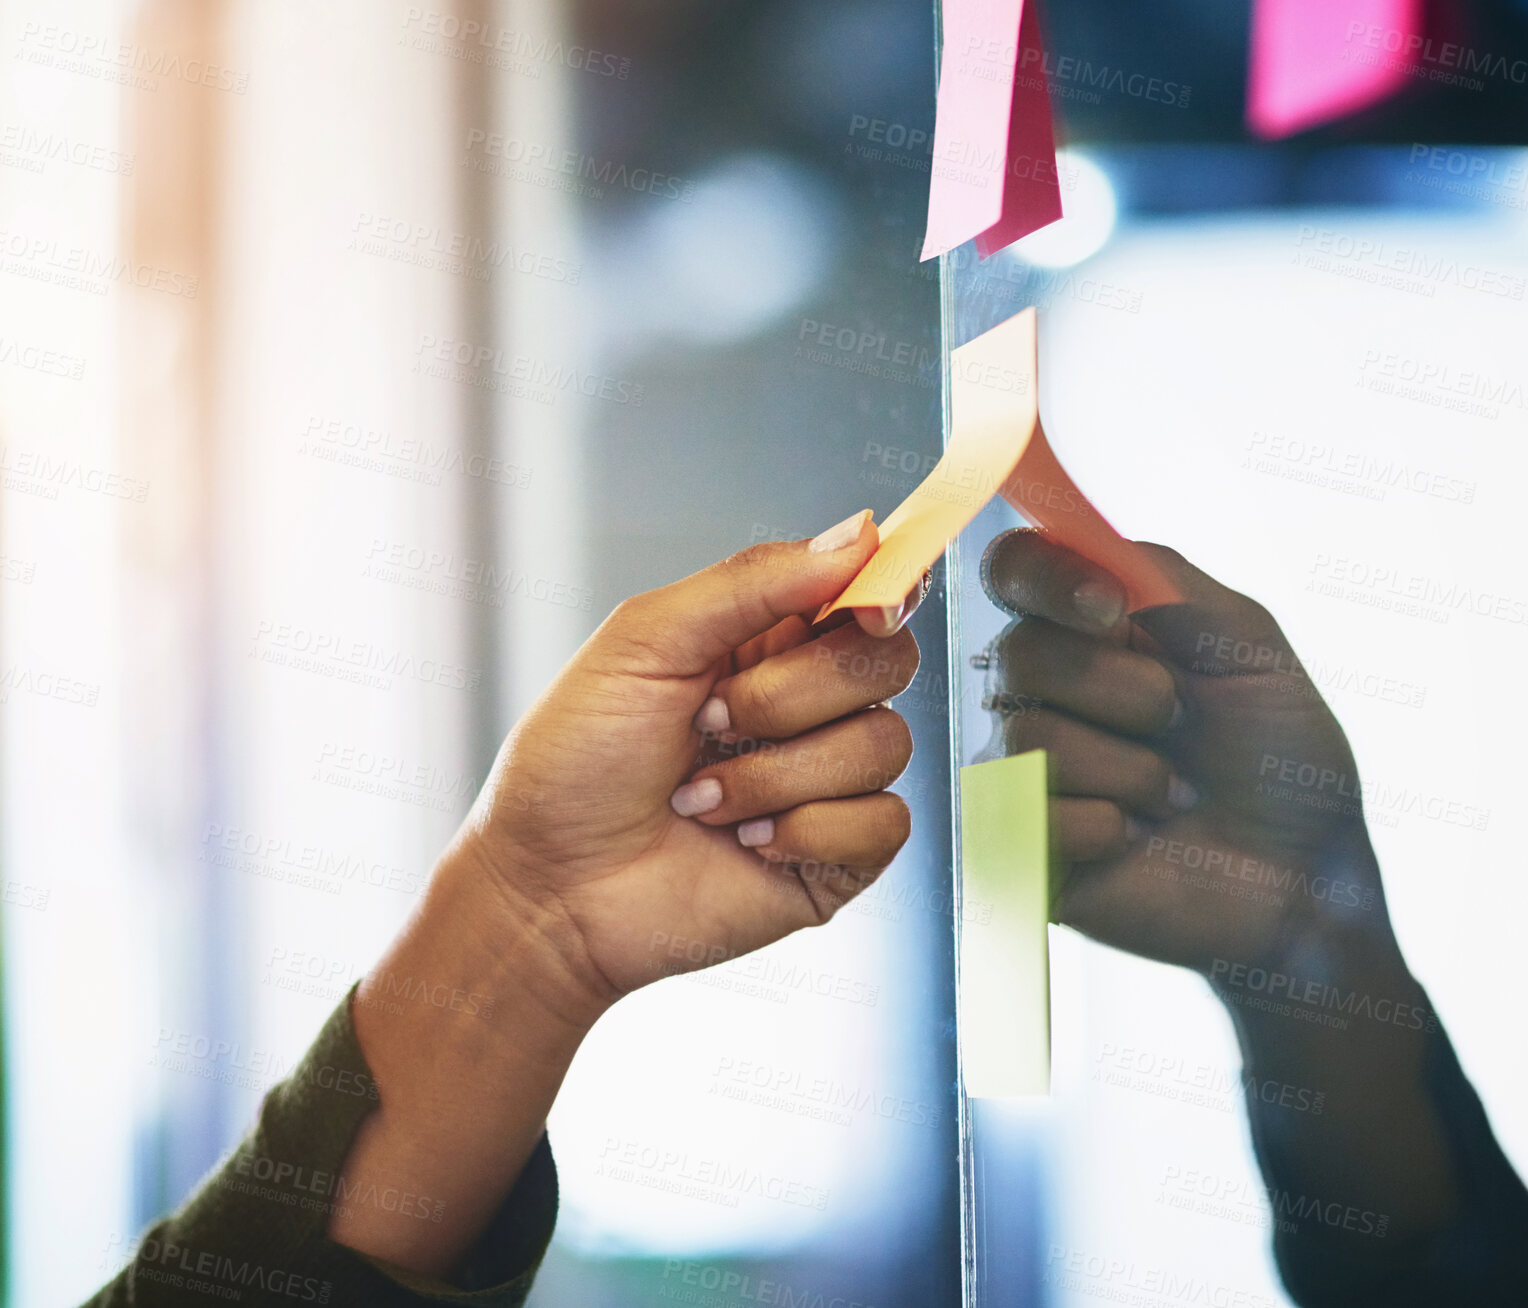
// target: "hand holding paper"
[[1160, 731], [993, 418], [996, 446]]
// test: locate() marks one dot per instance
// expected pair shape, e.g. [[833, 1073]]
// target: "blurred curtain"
[[302, 672]]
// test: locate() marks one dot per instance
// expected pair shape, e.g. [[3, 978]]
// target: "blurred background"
[[355, 359]]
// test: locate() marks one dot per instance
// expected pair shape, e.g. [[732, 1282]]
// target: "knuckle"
[[763, 702], [744, 777], [633, 613], [1020, 649], [806, 830], [1019, 736], [1160, 693], [1110, 825], [902, 652], [825, 906], [1031, 730], [1162, 553], [1013, 640], [1257, 616], [749, 608], [1089, 829], [866, 877], [894, 825], [1153, 773], [636, 629], [1061, 823], [892, 738], [762, 555], [865, 668]]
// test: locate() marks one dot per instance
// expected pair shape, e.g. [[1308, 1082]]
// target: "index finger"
[[888, 621], [1024, 571]]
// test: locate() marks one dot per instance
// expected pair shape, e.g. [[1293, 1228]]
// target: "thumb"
[[1216, 630], [684, 628]]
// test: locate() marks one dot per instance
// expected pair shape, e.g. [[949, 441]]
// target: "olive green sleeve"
[[254, 1233]]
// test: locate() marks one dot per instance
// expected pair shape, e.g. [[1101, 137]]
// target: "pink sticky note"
[[1313, 61], [994, 166], [1031, 188]]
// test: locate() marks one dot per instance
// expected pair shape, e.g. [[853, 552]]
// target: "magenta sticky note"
[[994, 164], [1031, 188], [1313, 61]]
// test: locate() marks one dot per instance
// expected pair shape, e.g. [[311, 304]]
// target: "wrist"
[[1329, 907], [467, 1030], [526, 952], [1336, 964], [1334, 979], [1335, 975], [1325, 1020]]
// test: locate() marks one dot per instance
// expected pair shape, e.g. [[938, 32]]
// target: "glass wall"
[[1299, 367], [264, 341]]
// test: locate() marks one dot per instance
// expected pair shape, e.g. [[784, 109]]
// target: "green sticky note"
[[1004, 950]]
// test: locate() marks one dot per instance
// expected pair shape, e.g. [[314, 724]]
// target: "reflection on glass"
[[1254, 1096]]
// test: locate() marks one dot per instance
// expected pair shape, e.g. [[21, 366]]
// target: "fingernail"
[[1101, 604], [758, 832], [696, 797], [1179, 713], [713, 718], [1180, 794], [891, 618], [915, 598], [845, 533]]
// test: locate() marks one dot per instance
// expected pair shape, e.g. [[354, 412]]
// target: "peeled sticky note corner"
[[1004, 942], [1041, 490], [997, 446], [993, 177], [1313, 61], [993, 411]]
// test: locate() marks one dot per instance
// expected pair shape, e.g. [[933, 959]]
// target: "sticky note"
[[1004, 945], [1040, 489], [993, 408], [993, 178], [1031, 184], [996, 446], [1313, 61]]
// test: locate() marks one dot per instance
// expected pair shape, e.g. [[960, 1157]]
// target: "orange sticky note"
[[996, 447], [1041, 490], [993, 411]]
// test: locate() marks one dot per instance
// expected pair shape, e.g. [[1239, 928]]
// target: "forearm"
[[469, 1042], [1385, 1182], [1334, 1062], [261, 1219]]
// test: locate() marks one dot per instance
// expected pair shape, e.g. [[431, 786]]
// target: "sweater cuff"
[[259, 1224], [1479, 1259]]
